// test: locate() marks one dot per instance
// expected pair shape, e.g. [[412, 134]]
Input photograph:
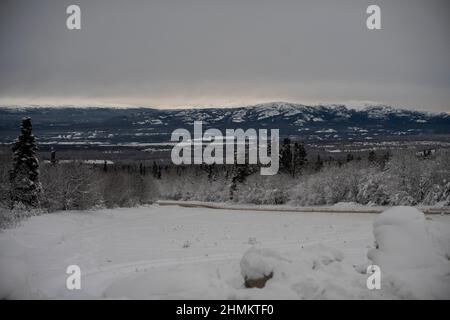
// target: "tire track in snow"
[[97, 280]]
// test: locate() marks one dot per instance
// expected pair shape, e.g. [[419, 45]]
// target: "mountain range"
[[136, 126]]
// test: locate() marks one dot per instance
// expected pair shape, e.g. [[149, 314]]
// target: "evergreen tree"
[[372, 157], [242, 172], [385, 159], [211, 169], [319, 163], [53, 157], [299, 158], [155, 170], [24, 177], [158, 176], [141, 169], [349, 157], [286, 155]]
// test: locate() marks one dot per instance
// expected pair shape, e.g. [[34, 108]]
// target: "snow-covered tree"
[[71, 186], [24, 177]]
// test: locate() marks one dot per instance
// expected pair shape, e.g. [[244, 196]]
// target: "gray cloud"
[[189, 52]]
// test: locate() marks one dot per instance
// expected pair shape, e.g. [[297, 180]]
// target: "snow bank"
[[409, 259]]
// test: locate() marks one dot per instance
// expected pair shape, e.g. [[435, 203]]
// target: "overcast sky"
[[167, 53]]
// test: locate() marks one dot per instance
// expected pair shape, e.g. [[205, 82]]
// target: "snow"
[[267, 114], [109, 162], [140, 253], [407, 254], [326, 131], [258, 263], [238, 116], [97, 161]]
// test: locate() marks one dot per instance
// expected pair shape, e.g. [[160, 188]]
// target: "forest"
[[388, 178]]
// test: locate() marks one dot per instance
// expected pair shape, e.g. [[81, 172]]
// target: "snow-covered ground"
[[170, 252]]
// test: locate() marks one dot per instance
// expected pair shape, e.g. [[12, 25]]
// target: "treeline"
[[398, 178], [79, 186], [403, 179]]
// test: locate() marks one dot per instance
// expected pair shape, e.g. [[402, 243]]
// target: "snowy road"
[[187, 253]]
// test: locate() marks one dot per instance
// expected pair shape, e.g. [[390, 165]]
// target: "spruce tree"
[[242, 172], [319, 164], [372, 157], [24, 177], [349, 157], [155, 170], [299, 158], [286, 155], [159, 173], [53, 157]]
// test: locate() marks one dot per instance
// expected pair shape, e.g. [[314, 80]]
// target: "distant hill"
[[100, 125]]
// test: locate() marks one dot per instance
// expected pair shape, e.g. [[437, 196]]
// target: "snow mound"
[[259, 263], [407, 256]]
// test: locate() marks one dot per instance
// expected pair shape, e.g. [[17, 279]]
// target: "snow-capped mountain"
[[105, 125]]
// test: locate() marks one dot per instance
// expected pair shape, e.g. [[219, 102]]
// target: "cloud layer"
[[211, 52]]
